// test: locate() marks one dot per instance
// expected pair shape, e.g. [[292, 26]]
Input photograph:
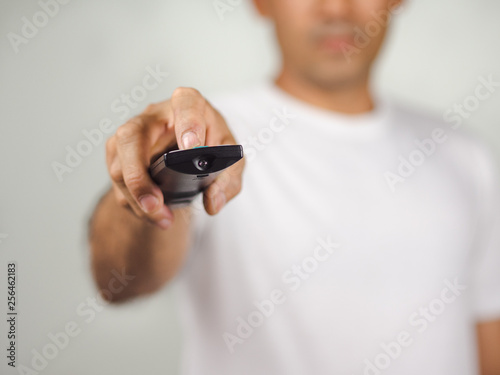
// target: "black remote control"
[[183, 174]]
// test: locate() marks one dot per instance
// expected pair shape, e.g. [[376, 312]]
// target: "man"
[[365, 238]]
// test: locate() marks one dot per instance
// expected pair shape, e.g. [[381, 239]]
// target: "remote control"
[[183, 174]]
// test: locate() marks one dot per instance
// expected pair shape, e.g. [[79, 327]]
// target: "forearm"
[[120, 242], [131, 231], [488, 334]]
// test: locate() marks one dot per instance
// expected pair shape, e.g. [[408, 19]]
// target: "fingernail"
[[148, 203], [219, 201], [190, 140], [164, 223]]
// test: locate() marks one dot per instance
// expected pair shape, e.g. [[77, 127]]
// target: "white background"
[[65, 79]]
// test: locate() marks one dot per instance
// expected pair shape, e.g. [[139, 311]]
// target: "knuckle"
[[122, 201], [151, 108], [153, 113], [127, 131], [116, 177], [185, 91], [110, 145], [115, 173]]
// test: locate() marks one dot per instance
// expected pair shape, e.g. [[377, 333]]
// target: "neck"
[[349, 98]]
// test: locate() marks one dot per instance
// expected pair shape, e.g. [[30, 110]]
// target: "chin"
[[334, 77]]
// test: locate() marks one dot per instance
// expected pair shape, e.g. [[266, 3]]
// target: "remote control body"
[[183, 174]]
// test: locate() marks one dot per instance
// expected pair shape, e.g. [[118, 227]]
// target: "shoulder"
[[454, 141], [424, 123]]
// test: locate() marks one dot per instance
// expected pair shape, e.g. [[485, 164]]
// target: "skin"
[[315, 69], [132, 230]]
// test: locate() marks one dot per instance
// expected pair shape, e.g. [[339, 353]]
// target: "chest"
[[423, 230]]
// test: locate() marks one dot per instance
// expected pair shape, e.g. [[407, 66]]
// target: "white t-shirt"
[[359, 244]]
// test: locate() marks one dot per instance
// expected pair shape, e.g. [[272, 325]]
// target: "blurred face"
[[329, 43]]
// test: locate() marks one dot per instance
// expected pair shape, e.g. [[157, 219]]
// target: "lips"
[[336, 43]]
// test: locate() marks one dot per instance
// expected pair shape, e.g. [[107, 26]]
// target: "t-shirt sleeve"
[[486, 260]]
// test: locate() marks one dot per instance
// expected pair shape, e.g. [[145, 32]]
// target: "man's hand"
[[187, 120]]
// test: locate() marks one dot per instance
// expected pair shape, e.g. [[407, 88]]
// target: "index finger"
[[189, 111]]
